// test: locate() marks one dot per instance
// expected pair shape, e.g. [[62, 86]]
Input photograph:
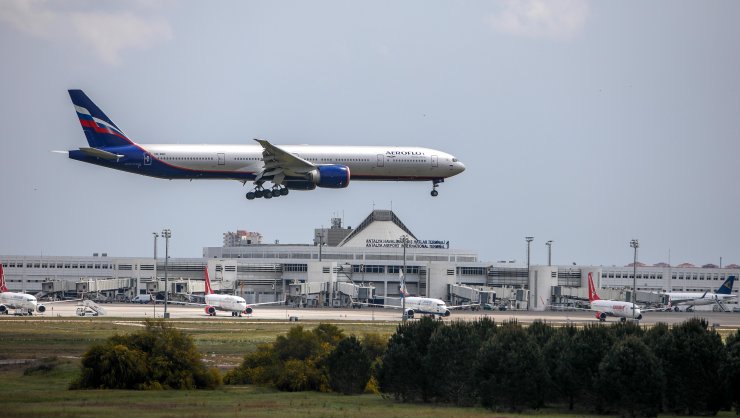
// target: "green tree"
[[348, 367], [400, 372], [510, 370], [449, 360], [630, 379], [692, 355], [541, 332], [589, 346], [559, 355], [731, 369]]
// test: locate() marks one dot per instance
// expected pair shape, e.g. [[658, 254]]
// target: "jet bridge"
[[460, 294]]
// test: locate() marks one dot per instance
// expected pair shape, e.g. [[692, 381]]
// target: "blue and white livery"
[[289, 167]]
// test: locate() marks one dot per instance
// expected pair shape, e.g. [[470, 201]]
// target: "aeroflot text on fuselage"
[[288, 167]]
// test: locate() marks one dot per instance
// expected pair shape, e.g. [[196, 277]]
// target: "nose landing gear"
[[435, 184]]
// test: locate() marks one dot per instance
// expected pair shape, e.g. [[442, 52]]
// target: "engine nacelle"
[[210, 310], [327, 176], [601, 316], [447, 312], [409, 313], [3, 309], [41, 308], [248, 310]]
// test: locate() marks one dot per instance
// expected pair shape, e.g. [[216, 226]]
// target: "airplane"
[[21, 303], [419, 305], [287, 167], [229, 303], [691, 299], [605, 307]]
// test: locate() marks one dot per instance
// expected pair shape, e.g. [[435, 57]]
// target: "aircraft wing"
[[688, 300], [266, 303], [279, 163], [464, 306]]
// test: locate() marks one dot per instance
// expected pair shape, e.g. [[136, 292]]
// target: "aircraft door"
[[221, 158], [434, 161], [381, 160]]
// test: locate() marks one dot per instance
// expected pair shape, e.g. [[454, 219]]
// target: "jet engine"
[[409, 313], [41, 308], [601, 316], [248, 310], [3, 309], [210, 310], [327, 176], [447, 312]]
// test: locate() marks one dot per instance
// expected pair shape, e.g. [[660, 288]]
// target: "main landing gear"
[[259, 192], [435, 183]]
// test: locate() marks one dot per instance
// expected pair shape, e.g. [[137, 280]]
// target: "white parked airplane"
[[21, 303], [691, 299], [229, 303], [293, 167], [605, 307], [420, 305]]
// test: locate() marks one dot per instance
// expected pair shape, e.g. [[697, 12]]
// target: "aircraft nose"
[[460, 167]]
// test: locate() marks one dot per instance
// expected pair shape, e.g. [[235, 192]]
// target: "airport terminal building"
[[343, 266]]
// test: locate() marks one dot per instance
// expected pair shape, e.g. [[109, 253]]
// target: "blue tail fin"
[[99, 129], [726, 287]]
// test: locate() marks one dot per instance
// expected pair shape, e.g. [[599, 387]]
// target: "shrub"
[[160, 356]]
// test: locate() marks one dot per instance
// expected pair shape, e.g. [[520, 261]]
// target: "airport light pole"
[[549, 252], [529, 241], [634, 244], [156, 280], [166, 234]]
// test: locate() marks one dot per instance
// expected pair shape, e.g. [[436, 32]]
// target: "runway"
[[123, 310]]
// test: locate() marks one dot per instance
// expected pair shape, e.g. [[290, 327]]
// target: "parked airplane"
[[604, 307], [229, 303], [691, 299], [21, 303], [289, 167], [420, 305]]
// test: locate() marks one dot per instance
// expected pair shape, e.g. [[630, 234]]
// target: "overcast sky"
[[585, 123]]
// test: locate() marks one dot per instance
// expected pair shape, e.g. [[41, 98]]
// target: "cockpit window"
[[454, 160]]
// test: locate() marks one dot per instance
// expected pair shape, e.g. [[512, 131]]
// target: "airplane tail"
[[99, 129], [592, 295], [3, 288], [402, 284], [726, 287], [209, 289]]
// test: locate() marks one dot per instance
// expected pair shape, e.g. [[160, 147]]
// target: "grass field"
[[44, 391]]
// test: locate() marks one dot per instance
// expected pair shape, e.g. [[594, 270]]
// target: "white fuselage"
[[14, 300], [364, 162], [696, 298], [226, 302], [616, 308], [428, 306]]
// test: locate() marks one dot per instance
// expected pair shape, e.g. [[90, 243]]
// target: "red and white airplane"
[[230, 303], [21, 303], [605, 307]]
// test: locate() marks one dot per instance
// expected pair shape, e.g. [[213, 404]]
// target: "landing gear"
[[435, 183], [259, 192]]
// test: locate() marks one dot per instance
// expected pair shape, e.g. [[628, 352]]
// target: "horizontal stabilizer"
[[94, 152]]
